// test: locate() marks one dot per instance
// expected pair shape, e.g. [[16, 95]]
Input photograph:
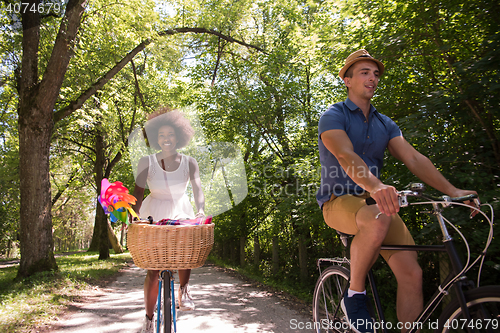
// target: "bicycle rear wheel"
[[327, 312], [484, 307]]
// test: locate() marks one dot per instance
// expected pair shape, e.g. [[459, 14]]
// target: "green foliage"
[[30, 303], [9, 192]]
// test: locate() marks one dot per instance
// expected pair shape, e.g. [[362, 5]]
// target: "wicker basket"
[[161, 247]]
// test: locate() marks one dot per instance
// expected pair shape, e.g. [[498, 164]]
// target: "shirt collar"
[[353, 107]]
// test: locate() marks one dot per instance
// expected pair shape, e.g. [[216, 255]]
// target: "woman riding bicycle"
[[167, 174]]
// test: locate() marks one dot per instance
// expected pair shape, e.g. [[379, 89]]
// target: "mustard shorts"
[[340, 214]]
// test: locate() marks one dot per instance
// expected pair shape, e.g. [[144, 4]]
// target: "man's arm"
[[339, 144], [422, 167]]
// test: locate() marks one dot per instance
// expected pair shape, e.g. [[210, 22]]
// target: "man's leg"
[[365, 246], [409, 276], [351, 215]]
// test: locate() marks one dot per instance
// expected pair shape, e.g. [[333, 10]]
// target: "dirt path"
[[224, 303]]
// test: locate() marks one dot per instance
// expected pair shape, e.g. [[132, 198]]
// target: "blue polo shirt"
[[369, 139]]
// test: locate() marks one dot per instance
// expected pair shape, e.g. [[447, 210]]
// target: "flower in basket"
[[115, 200]]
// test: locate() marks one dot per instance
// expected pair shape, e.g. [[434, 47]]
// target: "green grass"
[[37, 300]]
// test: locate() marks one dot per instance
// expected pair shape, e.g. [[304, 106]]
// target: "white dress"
[[168, 199]]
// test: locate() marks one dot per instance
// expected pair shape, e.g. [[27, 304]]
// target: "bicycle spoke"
[[327, 313]]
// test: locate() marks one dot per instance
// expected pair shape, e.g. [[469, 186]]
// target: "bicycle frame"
[[169, 277], [456, 275], [459, 280]]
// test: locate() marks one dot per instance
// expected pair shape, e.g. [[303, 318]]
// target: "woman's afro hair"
[[166, 116]]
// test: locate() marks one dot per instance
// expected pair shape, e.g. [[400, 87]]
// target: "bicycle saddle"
[[344, 237]]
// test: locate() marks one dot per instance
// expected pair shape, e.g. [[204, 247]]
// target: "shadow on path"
[[223, 304]]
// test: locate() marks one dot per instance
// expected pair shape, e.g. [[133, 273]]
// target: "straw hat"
[[358, 56]]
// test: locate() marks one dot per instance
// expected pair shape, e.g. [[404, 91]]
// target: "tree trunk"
[[122, 236], [37, 244], [226, 250], [103, 240], [303, 259], [35, 129], [256, 251], [94, 243], [113, 239], [101, 219], [242, 251], [9, 249], [234, 251], [276, 261], [36, 104]]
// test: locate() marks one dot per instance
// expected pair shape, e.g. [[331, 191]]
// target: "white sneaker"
[[185, 299], [148, 325]]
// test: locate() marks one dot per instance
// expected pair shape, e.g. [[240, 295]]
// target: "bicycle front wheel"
[[327, 312], [484, 307]]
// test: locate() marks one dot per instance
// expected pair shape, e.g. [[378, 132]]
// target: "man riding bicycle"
[[353, 136]]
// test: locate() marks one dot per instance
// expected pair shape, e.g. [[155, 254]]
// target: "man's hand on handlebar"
[[383, 197], [387, 199], [473, 203]]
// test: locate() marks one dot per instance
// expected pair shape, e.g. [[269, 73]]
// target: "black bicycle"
[[473, 309]]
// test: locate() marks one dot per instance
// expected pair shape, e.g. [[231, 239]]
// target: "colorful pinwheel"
[[115, 200]]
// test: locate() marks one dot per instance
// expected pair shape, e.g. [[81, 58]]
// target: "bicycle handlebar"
[[453, 199], [403, 202]]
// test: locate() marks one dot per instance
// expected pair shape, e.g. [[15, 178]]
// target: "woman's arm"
[[140, 182], [199, 197]]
